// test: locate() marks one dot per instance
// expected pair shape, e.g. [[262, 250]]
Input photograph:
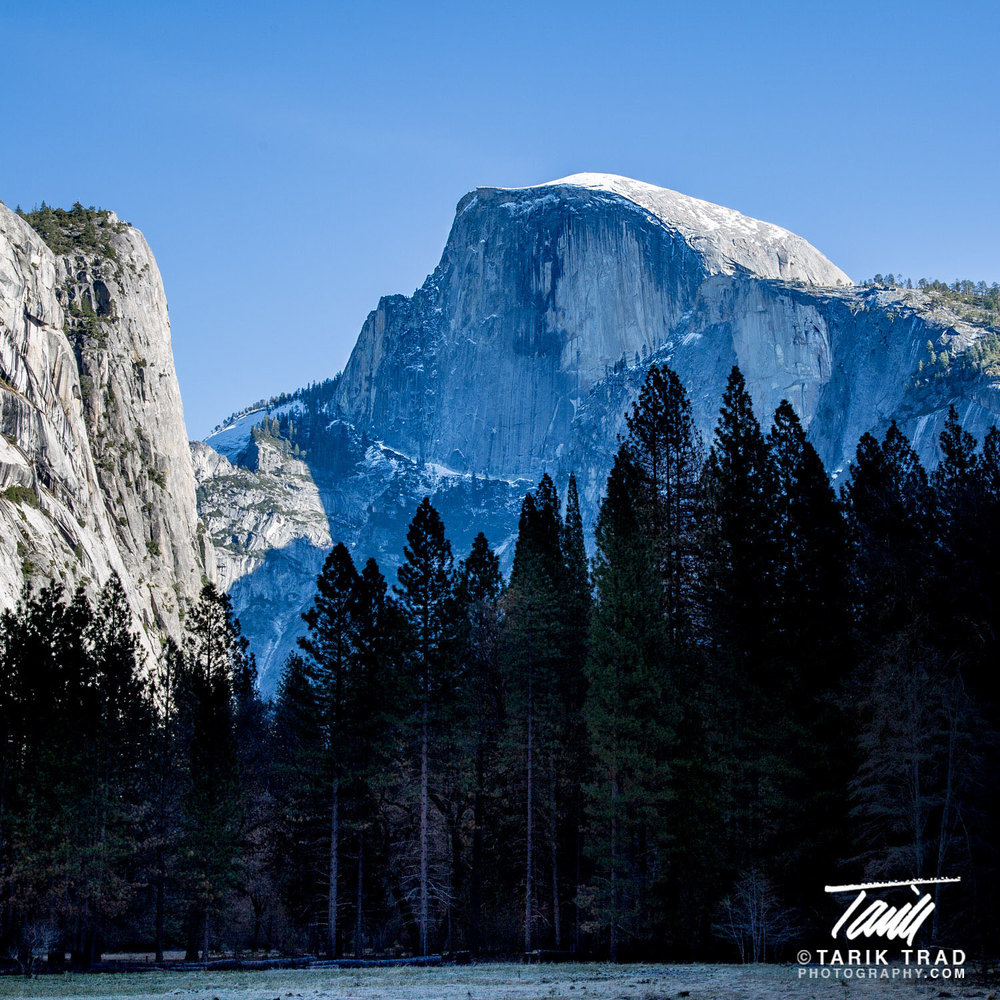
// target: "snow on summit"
[[728, 241]]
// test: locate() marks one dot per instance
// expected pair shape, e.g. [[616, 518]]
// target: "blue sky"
[[290, 163]]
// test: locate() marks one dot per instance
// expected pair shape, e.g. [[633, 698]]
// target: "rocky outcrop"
[[273, 519], [527, 344], [520, 354], [95, 472]]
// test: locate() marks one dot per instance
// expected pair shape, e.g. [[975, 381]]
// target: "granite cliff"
[[95, 471], [521, 353]]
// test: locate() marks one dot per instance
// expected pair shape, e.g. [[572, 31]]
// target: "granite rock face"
[[539, 292], [95, 472], [521, 354], [497, 362]]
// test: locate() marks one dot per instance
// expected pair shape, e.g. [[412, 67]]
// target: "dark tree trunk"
[[457, 880], [529, 858], [476, 879], [578, 849], [615, 887], [359, 916], [332, 935], [554, 840], [160, 904], [424, 831], [193, 934], [258, 922], [405, 911]]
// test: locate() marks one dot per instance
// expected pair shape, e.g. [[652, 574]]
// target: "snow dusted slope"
[[234, 437], [728, 241], [274, 517]]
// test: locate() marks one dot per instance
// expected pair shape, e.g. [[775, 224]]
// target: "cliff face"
[[95, 471], [544, 296], [538, 292], [525, 347]]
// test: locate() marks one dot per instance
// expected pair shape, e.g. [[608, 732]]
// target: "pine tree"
[[166, 767], [426, 600], [741, 594], [962, 597], [986, 575], [375, 693], [665, 445], [575, 554], [630, 712], [75, 720], [667, 452], [898, 785], [115, 804], [38, 637], [813, 620], [537, 637], [888, 507], [918, 742], [478, 589], [739, 532], [215, 657], [45, 671], [983, 914], [331, 644], [813, 612], [299, 763], [577, 607], [252, 733]]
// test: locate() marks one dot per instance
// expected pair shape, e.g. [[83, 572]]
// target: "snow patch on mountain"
[[233, 437], [729, 241]]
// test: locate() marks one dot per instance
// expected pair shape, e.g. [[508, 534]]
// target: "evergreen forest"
[[757, 683]]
